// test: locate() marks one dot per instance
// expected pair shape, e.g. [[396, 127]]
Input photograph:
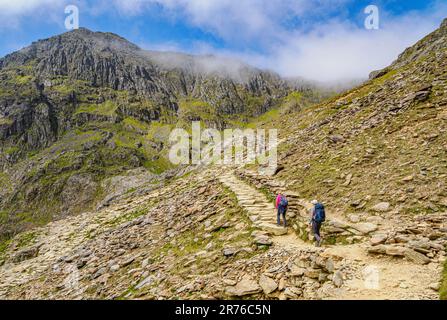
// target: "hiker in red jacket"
[[281, 205]]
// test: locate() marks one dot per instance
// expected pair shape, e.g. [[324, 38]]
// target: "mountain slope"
[[91, 111], [375, 155], [384, 141]]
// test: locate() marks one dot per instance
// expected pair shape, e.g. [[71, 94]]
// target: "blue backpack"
[[320, 215], [283, 203]]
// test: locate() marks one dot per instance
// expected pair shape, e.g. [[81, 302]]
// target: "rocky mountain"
[[374, 155], [86, 115]]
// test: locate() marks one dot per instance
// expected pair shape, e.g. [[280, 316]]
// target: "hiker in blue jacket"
[[281, 205], [318, 216]]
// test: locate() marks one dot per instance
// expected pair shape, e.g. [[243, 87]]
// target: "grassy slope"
[[380, 148], [386, 154]]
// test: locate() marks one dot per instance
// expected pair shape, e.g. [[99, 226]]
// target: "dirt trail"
[[372, 277]]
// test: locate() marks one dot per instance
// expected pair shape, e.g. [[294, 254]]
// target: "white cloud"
[[18, 7], [234, 20], [340, 51], [292, 37], [12, 11], [330, 50]]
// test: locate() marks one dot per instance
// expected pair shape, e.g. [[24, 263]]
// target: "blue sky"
[[317, 39]]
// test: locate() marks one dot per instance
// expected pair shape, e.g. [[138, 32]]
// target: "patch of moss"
[[194, 110], [107, 108], [5, 121], [128, 217], [135, 124], [25, 239], [5, 182], [159, 165], [12, 150], [270, 115], [64, 89], [4, 245]]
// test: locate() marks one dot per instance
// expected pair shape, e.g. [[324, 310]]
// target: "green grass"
[[5, 182], [270, 115], [5, 121], [159, 132], [135, 124], [194, 109], [26, 239], [4, 245], [21, 80], [64, 89], [11, 150], [128, 217], [158, 166], [107, 108]]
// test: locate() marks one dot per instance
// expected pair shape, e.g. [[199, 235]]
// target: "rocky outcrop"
[[107, 60]]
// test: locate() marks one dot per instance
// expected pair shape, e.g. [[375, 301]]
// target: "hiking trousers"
[[278, 216], [316, 230]]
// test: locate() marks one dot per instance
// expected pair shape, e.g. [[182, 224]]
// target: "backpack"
[[319, 215], [283, 203]]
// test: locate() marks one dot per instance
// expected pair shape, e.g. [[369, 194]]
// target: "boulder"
[[273, 229], [227, 252], [378, 239], [337, 279], [416, 257], [329, 265], [354, 218], [297, 271], [395, 251], [292, 292], [435, 286], [388, 250], [312, 273], [337, 138], [382, 207], [245, 287], [365, 227], [267, 284], [25, 254], [263, 240]]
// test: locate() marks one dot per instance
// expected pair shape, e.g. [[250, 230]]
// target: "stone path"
[[260, 211], [398, 279]]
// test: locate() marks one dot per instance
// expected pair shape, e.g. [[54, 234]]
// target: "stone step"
[[273, 229]]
